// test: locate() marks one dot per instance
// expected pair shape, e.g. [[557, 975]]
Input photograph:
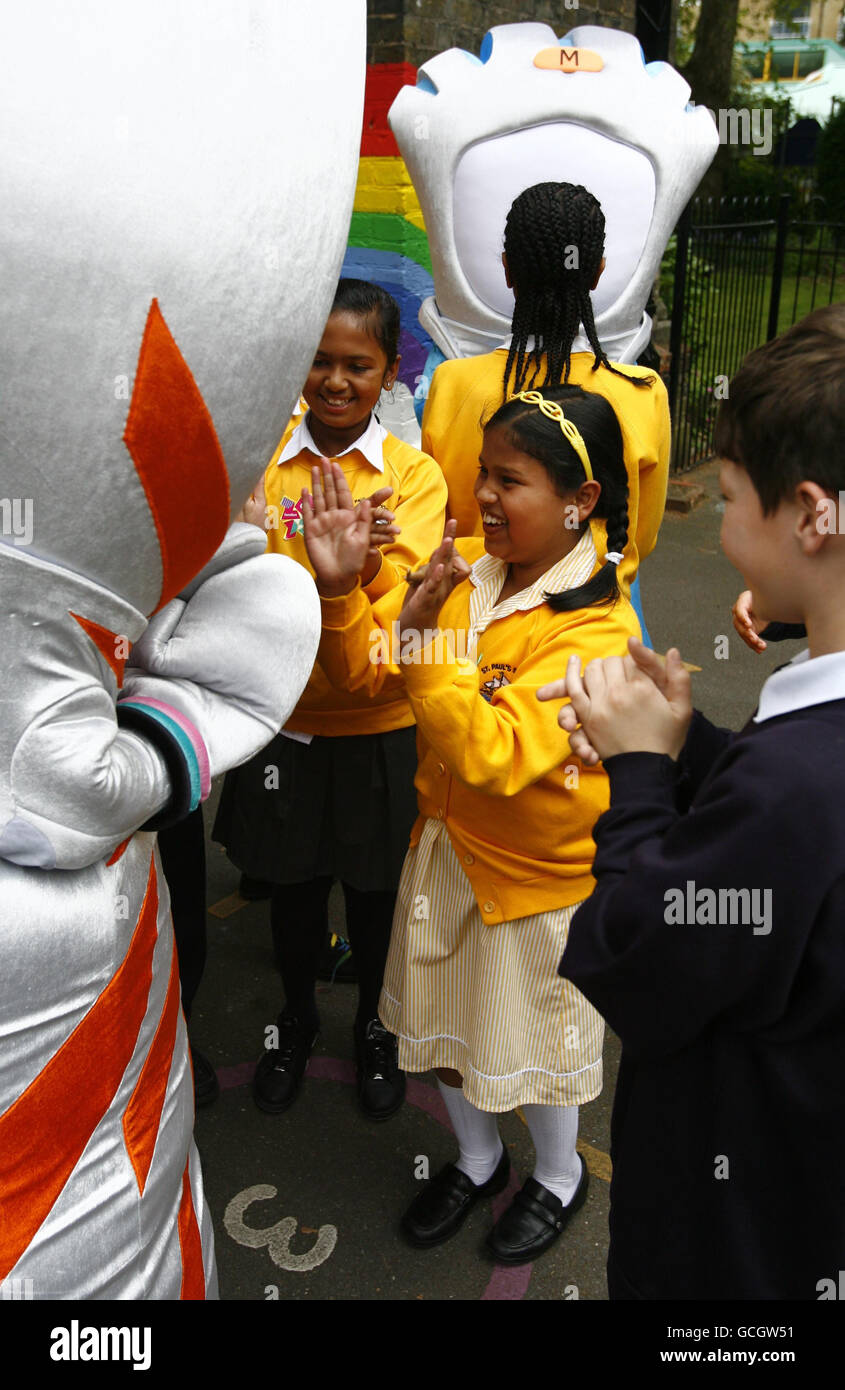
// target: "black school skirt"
[[341, 807]]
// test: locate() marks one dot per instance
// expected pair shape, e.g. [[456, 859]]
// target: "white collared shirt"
[[370, 444], [805, 681], [488, 575], [580, 343]]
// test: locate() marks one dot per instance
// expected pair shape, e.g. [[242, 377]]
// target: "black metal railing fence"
[[745, 269]]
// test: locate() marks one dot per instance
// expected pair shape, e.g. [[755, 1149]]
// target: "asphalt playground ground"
[[306, 1204]]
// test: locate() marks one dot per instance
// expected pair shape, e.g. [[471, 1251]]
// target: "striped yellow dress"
[[482, 998], [485, 999]]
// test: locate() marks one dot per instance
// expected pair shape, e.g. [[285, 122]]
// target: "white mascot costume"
[[177, 181], [585, 109]]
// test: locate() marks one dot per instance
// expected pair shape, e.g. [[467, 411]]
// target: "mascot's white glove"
[[216, 673], [219, 670]]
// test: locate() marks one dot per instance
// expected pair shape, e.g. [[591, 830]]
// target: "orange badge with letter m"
[[569, 59]]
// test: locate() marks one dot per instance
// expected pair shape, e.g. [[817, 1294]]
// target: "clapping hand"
[[382, 531], [461, 569], [430, 587], [337, 533], [632, 704]]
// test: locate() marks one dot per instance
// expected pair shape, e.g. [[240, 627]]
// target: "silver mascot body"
[[177, 181]]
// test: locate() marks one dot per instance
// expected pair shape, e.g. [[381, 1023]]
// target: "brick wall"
[[414, 30]]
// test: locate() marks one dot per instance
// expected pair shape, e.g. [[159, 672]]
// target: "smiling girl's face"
[[345, 381], [526, 522]]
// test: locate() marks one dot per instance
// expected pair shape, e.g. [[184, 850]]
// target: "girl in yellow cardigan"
[[553, 258], [502, 851], [284, 815]]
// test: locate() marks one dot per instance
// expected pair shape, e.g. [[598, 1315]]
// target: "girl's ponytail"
[[604, 585]]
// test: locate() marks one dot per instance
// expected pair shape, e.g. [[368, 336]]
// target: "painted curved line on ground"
[[505, 1283]]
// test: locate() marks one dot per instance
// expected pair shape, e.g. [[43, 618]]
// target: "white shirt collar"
[[580, 343], [370, 444], [802, 683], [488, 574]]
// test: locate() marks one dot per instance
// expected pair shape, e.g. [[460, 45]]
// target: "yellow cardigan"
[[518, 807], [419, 502], [466, 391]]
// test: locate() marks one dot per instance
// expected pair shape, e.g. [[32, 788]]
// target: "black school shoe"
[[533, 1222], [444, 1204], [278, 1076], [381, 1085]]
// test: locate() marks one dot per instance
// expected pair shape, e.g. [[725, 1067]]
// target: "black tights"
[[299, 922], [182, 850]]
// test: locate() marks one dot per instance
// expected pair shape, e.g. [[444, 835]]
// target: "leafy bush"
[[698, 273], [756, 176]]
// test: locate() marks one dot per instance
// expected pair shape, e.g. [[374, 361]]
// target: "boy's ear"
[[818, 516]]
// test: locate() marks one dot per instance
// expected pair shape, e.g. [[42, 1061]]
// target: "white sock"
[[554, 1129], [477, 1133]]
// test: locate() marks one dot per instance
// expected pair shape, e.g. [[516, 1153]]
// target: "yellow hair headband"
[[552, 411]]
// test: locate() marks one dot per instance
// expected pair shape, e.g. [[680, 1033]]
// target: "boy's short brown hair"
[[784, 417]]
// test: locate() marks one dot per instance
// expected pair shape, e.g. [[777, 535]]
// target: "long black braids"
[[554, 241], [539, 436]]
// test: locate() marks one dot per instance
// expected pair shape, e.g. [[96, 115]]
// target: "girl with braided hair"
[[502, 851], [553, 257], [554, 252]]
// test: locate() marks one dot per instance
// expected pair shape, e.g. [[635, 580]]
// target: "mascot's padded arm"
[[78, 784], [223, 664], [81, 776]]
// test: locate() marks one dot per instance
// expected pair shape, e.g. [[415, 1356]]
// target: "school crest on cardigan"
[[496, 681]]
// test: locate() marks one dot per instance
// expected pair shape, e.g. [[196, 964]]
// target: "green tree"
[[707, 32], [830, 161], [708, 70]]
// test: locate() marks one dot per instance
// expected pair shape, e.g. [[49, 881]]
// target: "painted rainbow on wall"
[[387, 240]]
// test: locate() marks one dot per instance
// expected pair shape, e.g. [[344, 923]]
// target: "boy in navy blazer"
[[714, 942]]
